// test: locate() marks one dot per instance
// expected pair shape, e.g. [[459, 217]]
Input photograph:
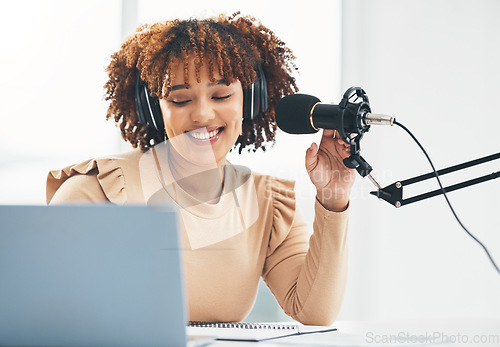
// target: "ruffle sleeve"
[[109, 176]]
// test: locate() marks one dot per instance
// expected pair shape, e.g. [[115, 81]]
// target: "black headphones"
[[255, 102], [255, 98]]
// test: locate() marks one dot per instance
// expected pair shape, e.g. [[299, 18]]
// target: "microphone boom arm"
[[393, 193]]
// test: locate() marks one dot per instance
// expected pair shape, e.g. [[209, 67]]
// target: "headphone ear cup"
[[157, 115], [147, 107], [255, 99], [247, 99], [139, 99], [263, 97]]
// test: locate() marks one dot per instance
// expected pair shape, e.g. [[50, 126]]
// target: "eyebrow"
[[182, 86]]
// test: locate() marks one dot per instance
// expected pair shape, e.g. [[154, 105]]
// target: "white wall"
[[433, 65], [52, 111]]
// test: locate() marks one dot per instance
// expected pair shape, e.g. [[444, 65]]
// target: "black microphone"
[[305, 114], [352, 117]]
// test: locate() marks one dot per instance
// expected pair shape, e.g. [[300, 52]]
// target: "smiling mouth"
[[203, 134]]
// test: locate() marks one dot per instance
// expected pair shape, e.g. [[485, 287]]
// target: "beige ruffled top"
[[253, 230]]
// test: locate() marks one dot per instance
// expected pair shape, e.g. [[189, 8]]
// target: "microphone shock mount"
[[355, 103]]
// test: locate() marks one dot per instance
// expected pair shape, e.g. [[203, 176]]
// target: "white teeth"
[[203, 135]]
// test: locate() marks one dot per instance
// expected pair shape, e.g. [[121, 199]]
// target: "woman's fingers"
[[312, 156]]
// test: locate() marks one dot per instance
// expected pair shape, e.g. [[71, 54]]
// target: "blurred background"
[[433, 64]]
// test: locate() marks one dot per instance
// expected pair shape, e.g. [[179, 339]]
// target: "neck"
[[204, 181]]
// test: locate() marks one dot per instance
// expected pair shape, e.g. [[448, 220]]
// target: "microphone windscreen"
[[293, 113]]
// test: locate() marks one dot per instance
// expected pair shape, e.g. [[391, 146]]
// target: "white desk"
[[444, 332]]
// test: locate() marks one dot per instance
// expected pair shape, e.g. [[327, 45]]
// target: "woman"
[[186, 93]]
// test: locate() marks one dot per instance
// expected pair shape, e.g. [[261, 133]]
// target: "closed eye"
[[221, 97], [180, 103]]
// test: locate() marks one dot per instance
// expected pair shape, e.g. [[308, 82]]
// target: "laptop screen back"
[[90, 275]]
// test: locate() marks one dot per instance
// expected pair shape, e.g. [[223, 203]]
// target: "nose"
[[203, 112]]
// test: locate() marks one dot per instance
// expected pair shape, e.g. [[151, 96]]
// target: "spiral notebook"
[[253, 332]]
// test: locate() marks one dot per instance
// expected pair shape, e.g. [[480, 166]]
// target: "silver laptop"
[[93, 275]]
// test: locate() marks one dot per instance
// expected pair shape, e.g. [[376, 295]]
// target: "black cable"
[[446, 197]]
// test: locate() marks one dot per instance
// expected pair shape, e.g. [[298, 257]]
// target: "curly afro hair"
[[235, 45]]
